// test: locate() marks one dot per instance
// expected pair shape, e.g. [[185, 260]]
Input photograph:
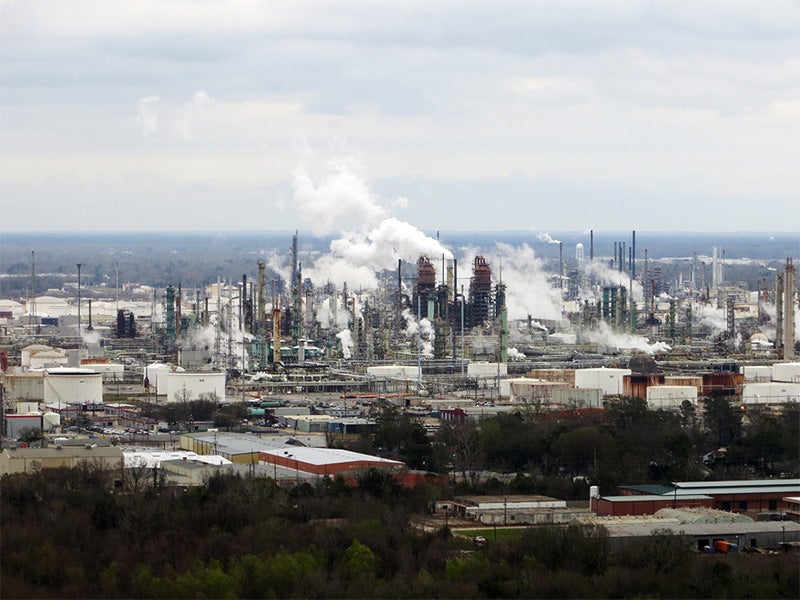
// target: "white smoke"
[[331, 314], [375, 240], [202, 338], [545, 237], [90, 338], [606, 276], [604, 336], [712, 317], [340, 194], [529, 290], [425, 329], [515, 355], [346, 339]]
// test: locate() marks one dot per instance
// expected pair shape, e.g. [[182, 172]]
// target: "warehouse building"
[[760, 495]]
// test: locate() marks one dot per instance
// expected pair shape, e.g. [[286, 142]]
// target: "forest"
[[86, 532]]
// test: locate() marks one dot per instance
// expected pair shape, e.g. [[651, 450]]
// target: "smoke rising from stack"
[[371, 240]]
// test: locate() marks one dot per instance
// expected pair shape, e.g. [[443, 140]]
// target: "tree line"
[[75, 533]]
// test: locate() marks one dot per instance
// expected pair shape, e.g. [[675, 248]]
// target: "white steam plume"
[[340, 194], [545, 237], [605, 275], [624, 341], [346, 339], [377, 242], [529, 290], [425, 327], [515, 355]]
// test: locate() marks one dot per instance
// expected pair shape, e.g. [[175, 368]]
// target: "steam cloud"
[[376, 243]]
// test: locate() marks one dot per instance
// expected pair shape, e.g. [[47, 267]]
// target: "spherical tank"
[[73, 385]]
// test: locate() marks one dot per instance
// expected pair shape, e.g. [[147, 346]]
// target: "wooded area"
[[77, 533]]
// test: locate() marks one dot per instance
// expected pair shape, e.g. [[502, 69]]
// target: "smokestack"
[[560, 264], [591, 244], [90, 328], [178, 312], [455, 279], [788, 313], [633, 259], [399, 276]]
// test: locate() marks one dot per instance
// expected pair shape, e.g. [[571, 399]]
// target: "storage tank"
[[485, 370], [188, 386], [788, 372], [82, 386], [770, 393], [156, 375], [110, 371], [29, 351], [670, 396], [41, 360], [523, 390], [50, 421], [753, 373], [393, 372], [608, 380]]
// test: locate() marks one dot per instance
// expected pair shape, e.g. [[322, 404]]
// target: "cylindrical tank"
[[156, 374], [50, 421], [670, 396], [42, 360], [608, 380], [29, 351], [754, 373], [773, 392], [73, 386], [188, 386], [788, 372]]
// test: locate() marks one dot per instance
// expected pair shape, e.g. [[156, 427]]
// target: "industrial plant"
[[432, 329]]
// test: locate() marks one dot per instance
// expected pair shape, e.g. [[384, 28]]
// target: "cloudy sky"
[[544, 115]]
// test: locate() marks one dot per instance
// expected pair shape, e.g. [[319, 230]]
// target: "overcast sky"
[[543, 115]]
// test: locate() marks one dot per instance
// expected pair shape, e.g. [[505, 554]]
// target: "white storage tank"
[[770, 393], [670, 396], [47, 358], [486, 370], [393, 372], [28, 351], [82, 386], [753, 373], [608, 380], [156, 374], [788, 372], [110, 371], [188, 386], [50, 421]]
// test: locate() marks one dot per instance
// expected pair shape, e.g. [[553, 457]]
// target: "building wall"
[[25, 460], [608, 508]]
